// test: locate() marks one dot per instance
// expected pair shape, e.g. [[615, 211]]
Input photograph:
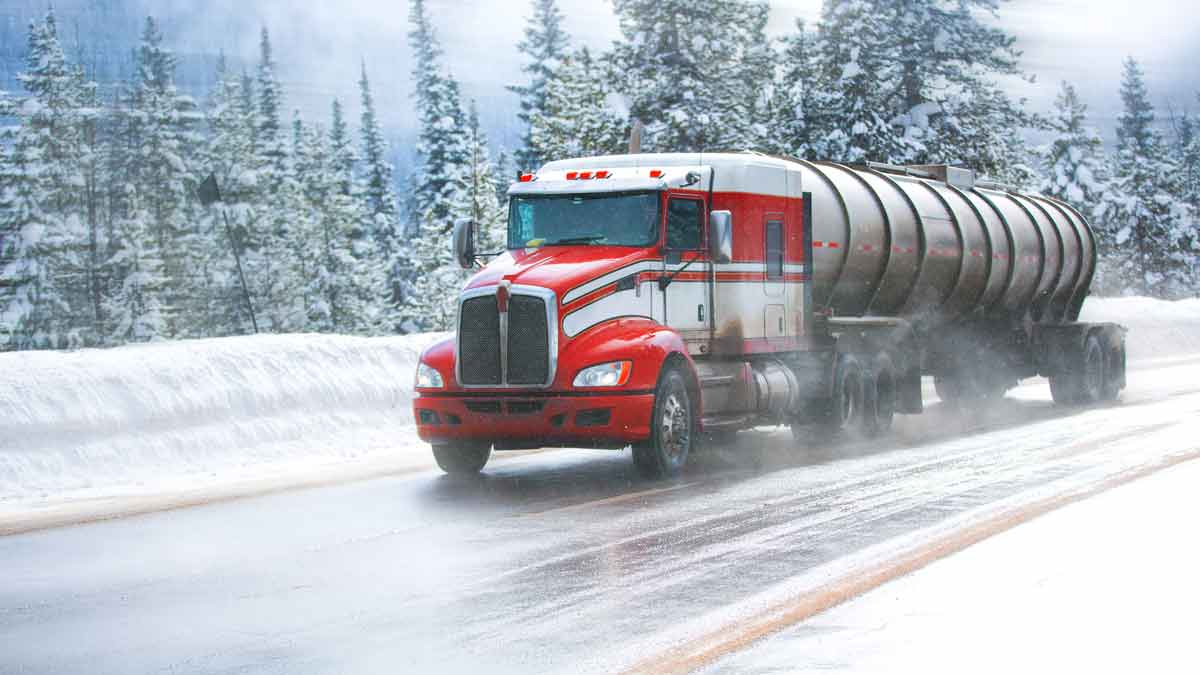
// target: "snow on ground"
[[164, 417], [1157, 328], [179, 417], [1106, 585]]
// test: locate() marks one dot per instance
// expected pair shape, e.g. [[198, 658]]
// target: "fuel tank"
[[933, 244]]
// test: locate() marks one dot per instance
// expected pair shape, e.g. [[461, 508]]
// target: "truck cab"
[[619, 282]]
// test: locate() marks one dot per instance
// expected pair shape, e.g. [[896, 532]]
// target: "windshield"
[[614, 219]]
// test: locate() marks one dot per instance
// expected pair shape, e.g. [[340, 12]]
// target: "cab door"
[[686, 301]]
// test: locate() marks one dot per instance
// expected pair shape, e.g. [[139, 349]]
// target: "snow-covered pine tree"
[[1149, 234], [10, 229], [45, 280], [163, 127], [1187, 151], [695, 74], [441, 147], [545, 44], [435, 294], [342, 157], [270, 135], [506, 172], [134, 308], [359, 277], [1074, 163], [945, 98], [792, 100], [479, 202], [228, 153], [442, 155], [269, 270], [309, 172], [855, 75], [1189, 162], [577, 119], [382, 206]]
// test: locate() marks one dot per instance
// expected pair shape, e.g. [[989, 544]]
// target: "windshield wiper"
[[583, 239]]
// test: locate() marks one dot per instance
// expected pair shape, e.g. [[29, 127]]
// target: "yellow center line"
[[701, 651]]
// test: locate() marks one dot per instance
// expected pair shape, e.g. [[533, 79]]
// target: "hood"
[[559, 268]]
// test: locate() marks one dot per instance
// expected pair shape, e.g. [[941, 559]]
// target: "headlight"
[[428, 378], [605, 375]]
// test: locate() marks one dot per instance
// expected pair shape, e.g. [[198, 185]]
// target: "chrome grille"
[[517, 348], [479, 341], [528, 341]]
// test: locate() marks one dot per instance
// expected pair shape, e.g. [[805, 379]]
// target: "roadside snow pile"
[[1157, 328], [141, 418]]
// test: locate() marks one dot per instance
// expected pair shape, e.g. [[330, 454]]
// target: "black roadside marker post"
[[210, 194]]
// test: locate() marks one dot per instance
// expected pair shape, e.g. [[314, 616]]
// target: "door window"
[[774, 249], [685, 223]]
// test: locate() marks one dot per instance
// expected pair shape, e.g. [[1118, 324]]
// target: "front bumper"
[[514, 421]]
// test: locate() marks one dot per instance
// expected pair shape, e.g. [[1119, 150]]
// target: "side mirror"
[[720, 236], [464, 244]]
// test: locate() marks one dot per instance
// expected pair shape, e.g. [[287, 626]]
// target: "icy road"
[[564, 561]]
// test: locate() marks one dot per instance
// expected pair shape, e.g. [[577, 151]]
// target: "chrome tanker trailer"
[[645, 300]]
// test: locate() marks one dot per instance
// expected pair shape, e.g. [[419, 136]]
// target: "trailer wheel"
[[1091, 380], [462, 458], [1114, 373], [672, 429], [881, 402], [1082, 381], [846, 407]]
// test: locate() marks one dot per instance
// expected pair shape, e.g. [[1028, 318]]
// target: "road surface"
[[565, 560]]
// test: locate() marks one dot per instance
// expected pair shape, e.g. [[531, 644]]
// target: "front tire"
[[462, 459], [672, 429]]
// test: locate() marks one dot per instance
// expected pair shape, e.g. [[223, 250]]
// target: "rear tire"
[[880, 410], [1083, 381], [461, 459], [672, 429], [1091, 380], [1114, 373], [846, 407]]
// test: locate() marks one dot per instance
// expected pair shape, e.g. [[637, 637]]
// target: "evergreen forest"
[[111, 231]]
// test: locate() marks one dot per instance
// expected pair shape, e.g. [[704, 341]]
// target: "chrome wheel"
[[665, 452], [675, 427]]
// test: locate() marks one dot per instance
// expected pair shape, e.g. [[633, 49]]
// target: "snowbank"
[[1157, 328], [163, 416]]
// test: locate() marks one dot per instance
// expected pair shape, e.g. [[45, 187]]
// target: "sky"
[[321, 44]]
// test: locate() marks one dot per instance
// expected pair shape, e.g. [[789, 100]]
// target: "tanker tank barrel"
[[934, 244]]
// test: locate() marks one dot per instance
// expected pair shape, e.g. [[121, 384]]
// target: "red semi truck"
[[649, 300]]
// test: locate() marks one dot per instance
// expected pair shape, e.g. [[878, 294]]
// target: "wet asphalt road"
[[563, 561]]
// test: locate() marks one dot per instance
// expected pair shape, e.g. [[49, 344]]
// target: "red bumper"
[[523, 421]]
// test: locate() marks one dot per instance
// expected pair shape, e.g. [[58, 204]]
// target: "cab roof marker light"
[[656, 173], [603, 174], [572, 175], [586, 175], [526, 178]]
